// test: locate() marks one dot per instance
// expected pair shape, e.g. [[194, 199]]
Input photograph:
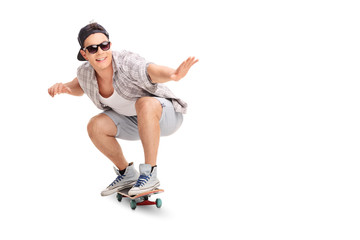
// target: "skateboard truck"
[[141, 199]]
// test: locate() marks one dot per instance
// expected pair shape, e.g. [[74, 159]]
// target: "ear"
[[84, 54]]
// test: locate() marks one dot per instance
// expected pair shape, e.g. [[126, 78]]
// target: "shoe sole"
[[144, 190], [115, 190]]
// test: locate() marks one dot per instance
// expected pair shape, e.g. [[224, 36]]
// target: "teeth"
[[100, 59]]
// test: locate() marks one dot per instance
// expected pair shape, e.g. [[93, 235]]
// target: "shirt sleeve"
[[136, 69], [80, 76]]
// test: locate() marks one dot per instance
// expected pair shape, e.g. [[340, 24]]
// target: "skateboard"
[[140, 199]]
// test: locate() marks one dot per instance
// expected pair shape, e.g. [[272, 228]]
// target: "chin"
[[101, 64]]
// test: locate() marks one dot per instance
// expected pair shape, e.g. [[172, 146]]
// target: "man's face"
[[101, 59]]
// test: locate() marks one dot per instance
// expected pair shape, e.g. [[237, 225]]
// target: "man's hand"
[[183, 69], [72, 88], [59, 88], [162, 74]]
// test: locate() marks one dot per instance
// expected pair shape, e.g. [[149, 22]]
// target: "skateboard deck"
[[140, 199]]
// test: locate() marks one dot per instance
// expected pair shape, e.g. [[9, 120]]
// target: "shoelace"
[[142, 180], [118, 179]]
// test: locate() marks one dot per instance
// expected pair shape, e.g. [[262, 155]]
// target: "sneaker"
[[127, 180], [147, 181]]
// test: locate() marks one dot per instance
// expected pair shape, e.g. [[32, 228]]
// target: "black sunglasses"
[[94, 48]]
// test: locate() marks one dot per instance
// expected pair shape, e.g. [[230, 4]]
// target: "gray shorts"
[[127, 127]]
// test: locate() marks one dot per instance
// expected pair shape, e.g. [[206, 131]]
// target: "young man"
[[135, 103]]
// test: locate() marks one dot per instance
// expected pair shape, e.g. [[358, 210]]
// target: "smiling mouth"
[[100, 59]]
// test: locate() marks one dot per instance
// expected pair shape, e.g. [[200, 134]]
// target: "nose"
[[99, 51]]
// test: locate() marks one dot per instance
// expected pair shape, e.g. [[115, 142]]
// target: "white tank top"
[[119, 104]]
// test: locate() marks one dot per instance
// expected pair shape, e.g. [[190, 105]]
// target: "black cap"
[[87, 31]]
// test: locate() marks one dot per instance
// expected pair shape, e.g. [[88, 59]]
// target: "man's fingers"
[[194, 61], [61, 88], [184, 67], [53, 89], [188, 61], [50, 93], [182, 64], [191, 61], [58, 88]]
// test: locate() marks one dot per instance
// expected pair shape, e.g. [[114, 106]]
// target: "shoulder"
[[84, 71], [127, 60], [84, 67], [124, 55]]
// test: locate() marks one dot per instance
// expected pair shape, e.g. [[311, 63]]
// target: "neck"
[[105, 74]]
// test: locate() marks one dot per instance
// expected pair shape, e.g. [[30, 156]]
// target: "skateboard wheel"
[[158, 203], [133, 204], [119, 197]]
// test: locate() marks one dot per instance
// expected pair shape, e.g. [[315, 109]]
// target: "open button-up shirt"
[[130, 80]]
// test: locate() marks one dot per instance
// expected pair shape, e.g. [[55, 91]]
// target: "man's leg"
[[102, 131], [149, 112]]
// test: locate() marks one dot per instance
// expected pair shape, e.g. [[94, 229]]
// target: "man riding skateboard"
[[135, 103]]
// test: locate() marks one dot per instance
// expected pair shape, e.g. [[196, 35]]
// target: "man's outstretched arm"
[[162, 74], [72, 88]]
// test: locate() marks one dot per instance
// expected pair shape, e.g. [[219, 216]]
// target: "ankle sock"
[[123, 171]]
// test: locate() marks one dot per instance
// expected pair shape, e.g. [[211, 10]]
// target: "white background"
[[269, 148]]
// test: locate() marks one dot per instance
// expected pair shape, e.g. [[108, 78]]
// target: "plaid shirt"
[[130, 80]]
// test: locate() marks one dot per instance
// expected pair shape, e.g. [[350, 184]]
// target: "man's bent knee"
[[101, 124], [148, 105]]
